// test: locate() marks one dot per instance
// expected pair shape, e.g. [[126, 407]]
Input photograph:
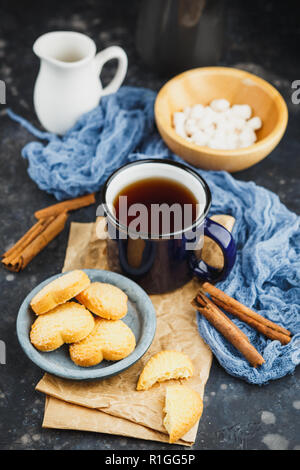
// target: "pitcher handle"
[[113, 52]]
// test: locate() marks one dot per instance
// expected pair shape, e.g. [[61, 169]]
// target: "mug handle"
[[113, 52], [224, 239]]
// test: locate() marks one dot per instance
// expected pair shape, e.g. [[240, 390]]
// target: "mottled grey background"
[[262, 37]]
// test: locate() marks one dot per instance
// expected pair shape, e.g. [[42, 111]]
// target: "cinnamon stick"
[[265, 330], [227, 328], [208, 301], [236, 308], [21, 259], [66, 206], [29, 236]]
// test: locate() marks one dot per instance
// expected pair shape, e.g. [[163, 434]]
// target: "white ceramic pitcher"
[[68, 82]]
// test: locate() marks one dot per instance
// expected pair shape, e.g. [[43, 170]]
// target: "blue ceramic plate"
[[140, 318]]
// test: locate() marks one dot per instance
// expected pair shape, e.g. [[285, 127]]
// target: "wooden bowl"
[[202, 85]]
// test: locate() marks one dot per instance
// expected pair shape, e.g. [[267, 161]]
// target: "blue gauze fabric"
[[267, 270]]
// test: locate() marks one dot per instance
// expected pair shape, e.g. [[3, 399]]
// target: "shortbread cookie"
[[64, 324], [59, 291], [183, 408], [105, 300], [165, 365], [110, 339]]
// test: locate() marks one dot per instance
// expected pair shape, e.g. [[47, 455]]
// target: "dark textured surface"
[[262, 37]]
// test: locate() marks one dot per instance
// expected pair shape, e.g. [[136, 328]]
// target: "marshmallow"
[[218, 125], [220, 105], [255, 123], [232, 142], [205, 122], [216, 143], [239, 124], [247, 137], [191, 126], [227, 126], [200, 138], [210, 130], [179, 120], [242, 111], [187, 111], [197, 111]]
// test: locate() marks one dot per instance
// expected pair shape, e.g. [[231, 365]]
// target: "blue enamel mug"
[[166, 261]]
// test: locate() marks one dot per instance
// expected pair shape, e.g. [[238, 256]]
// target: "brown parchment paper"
[[113, 405]]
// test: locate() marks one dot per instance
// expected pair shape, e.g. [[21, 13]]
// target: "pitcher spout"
[[64, 48]]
